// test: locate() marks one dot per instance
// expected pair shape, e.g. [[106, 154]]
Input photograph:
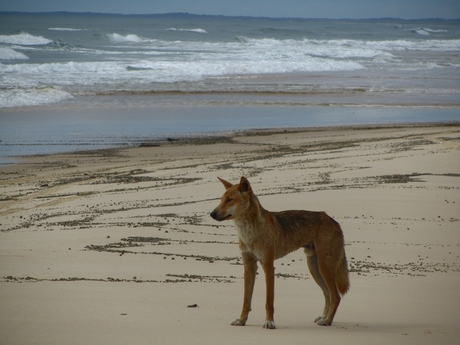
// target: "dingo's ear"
[[226, 184], [244, 185]]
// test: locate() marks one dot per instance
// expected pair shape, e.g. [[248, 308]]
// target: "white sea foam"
[[165, 61], [365, 49], [197, 30], [130, 74], [64, 29], [433, 30], [10, 54], [426, 31], [150, 61], [131, 38], [31, 96], [421, 32], [24, 39], [337, 49], [241, 54]]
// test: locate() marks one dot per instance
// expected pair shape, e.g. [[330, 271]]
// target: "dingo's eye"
[[229, 200]]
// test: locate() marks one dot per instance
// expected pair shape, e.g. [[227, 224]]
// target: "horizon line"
[[223, 15]]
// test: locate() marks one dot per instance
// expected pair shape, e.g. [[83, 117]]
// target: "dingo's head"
[[235, 199]]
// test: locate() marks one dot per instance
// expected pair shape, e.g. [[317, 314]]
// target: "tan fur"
[[265, 236]]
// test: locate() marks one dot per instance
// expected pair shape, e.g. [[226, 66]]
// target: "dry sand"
[[117, 247]]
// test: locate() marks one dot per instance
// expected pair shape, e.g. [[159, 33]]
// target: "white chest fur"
[[251, 239]]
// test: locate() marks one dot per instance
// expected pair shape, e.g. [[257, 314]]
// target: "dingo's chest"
[[251, 240]]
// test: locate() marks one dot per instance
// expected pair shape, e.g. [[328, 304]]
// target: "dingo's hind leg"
[[327, 269], [312, 261]]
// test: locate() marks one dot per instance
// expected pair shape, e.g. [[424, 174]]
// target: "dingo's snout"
[[219, 216]]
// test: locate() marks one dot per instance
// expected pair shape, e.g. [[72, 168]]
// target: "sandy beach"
[[117, 246]]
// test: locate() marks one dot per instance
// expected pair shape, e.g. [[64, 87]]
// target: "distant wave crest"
[[197, 30], [64, 29], [131, 38], [426, 31], [24, 39]]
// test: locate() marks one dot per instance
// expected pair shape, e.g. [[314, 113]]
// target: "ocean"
[[83, 81]]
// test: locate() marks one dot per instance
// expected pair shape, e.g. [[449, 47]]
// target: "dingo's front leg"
[[269, 270], [250, 270]]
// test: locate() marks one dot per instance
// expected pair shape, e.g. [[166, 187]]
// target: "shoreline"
[[222, 137], [63, 128], [119, 246]]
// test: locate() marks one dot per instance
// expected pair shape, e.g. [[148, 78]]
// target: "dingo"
[[265, 236]]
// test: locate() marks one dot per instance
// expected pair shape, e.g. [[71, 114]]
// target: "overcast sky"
[[407, 9]]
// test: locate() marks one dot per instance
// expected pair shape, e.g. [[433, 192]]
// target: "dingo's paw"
[[319, 318], [238, 322], [322, 322], [269, 324]]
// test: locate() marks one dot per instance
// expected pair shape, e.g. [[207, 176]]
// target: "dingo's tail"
[[342, 281]]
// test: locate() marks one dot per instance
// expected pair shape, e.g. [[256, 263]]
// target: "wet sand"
[[129, 121], [116, 246]]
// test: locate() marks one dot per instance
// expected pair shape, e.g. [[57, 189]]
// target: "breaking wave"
[[131, 38], [198, 30], [24, 39], [64, 29], [20, 97], [426, 31]]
